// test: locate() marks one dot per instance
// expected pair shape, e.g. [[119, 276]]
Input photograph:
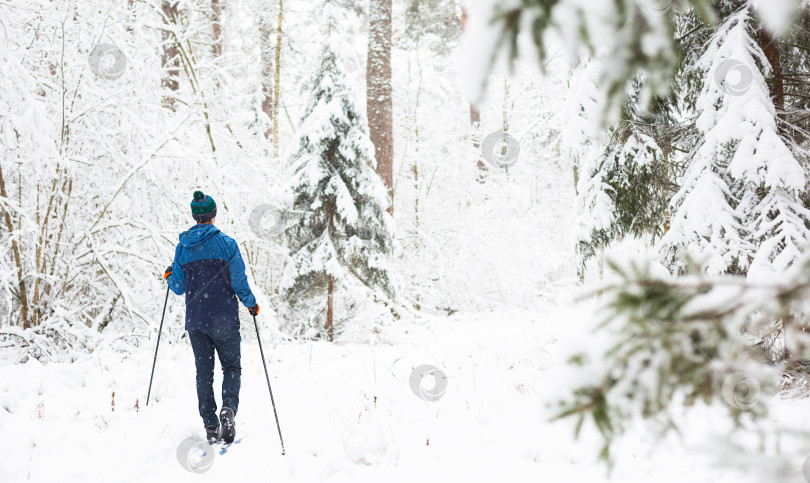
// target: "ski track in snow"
[[58, 424]]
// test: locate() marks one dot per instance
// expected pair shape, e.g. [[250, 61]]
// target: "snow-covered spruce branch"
[[663, 344]]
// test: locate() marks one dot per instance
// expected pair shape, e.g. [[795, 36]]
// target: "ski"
[[226, 446]]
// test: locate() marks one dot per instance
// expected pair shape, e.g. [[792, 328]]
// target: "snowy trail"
[[58, 425]]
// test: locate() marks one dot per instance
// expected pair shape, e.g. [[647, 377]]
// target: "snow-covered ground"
[[347, 412]]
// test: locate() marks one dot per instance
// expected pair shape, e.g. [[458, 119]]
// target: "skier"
[[209, 269]]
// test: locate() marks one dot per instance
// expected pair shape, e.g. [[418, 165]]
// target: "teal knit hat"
[[203, 207]]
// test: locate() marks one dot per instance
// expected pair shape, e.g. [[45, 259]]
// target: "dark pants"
[[226, 341]]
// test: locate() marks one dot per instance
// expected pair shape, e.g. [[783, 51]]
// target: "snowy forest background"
[[655, 192]]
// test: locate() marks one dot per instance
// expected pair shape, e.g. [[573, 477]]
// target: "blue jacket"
[[209, 269]]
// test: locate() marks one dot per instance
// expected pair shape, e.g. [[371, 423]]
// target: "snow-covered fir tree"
[[345, 239], [623, 180], [596, 212], [620, 190], [738, 209], [587, 147]]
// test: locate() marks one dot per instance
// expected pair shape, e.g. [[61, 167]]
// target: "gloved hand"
[[167, 273], [254, 311]]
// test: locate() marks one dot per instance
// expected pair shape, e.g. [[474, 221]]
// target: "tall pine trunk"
[[776, 86], [330, 289], [330, 331], [378, 89]]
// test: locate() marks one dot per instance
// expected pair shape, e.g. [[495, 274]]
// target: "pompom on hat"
[[203, 207]]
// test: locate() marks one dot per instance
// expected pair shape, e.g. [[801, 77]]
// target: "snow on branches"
[[346, 235], [738, 208]]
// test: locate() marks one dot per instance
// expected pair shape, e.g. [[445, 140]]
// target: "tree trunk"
[[170, 60], [580, 267], [475, 116], [416, 200], [475, 124], [69, 190], [330, 332], [416, 150], [44, 239], [277, 77], [667, 214], [130, 20], [771, 49], [15, 250], [265, 33], [505, 116], [330, 290], [216, 26], [776, 86], [182, 50], [378, 92]]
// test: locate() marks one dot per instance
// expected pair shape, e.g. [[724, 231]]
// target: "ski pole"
[[264, 364], [157, 345]]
